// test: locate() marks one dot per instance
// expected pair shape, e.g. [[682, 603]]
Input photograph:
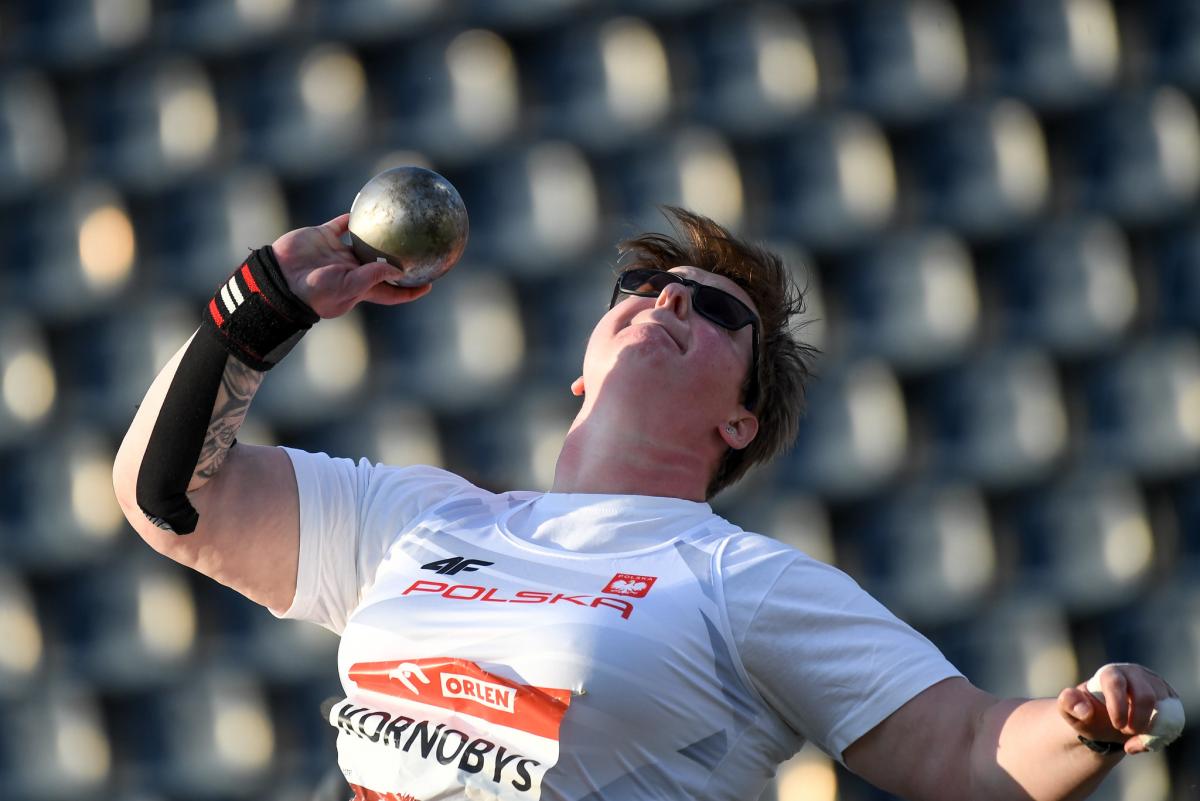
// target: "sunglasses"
[[715, 305]]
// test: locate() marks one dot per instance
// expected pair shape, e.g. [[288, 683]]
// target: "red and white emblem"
[[630, 586]]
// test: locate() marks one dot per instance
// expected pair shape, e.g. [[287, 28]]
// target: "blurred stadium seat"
[[1178, 274], [22, 657], [221, 27], [535, 210], [1054, 53], [982, 167], [454, 96], [54, 746], [128, 625], [601, 84], [1144, 406], [854, 438], [756, 69], [33, 139], [56, 501], [157, 122], [1069, 286], [301, 110], [83, 251], [999, 419], [29, 385], [928, 553], [200, 229], [1087, 538], [456, 348], [82, 33], [1138, 155], [905, 59], [695, 168], [833, 181], [911, 299], [993, 206]]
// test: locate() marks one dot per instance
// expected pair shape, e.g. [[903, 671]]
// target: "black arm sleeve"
[[174, 446]]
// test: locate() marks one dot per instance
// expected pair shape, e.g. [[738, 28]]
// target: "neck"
[[610, 456]]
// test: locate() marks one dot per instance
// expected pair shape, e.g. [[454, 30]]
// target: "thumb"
[[339, 225]]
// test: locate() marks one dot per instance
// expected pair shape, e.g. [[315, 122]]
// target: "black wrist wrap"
[[255, 316]]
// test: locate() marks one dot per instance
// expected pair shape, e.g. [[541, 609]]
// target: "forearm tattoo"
[[238, 385]]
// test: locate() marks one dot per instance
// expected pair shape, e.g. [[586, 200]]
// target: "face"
[[661, 352]]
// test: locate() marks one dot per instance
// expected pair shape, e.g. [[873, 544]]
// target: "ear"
[[739, 432], [577, 387]]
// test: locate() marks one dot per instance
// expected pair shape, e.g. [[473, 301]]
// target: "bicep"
[[248, 535], [923, 750]]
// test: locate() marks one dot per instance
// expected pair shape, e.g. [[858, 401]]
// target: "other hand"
[[323, 271], [1130, 695]]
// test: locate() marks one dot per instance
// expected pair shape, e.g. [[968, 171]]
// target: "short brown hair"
[[783, 361]]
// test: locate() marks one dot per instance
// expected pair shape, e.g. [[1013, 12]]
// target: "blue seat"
[[23, 656], [453, 96], [1137, 156], [1174, 40], [910, 298], [998, 419], [452, 349], [323, 378], [695, 168], [83, 252], [854, 438], [832, 181], [33, 141], [927, 552], [303, 109], [385, 21], [904, 60], [80, 34], [1177, 260], [560, 317], [28, 378], [156, 122], [128, 624], [1020, 646], [1087, 538], [56, 501], [534, 210], [756, 69], [210, 735], [109, 362], [55, 744], [600, 84], [203, 227], [982, 168], [226, 27], [1142, 410], [1069, 286], [1057, 54]]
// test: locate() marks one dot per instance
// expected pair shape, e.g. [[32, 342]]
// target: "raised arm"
[[231, 511], [954, 741]]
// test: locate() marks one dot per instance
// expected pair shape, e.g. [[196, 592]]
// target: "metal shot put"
[[413, 219]]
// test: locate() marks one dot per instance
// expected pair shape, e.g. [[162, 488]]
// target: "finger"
[[1116, 699], [390, 295], [1142, 698], [361, 279], [338, 225], [1075, 705]]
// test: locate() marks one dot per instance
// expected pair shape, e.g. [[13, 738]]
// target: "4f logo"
[[455, 564]]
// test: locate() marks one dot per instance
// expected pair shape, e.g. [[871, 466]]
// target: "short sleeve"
[[351, 513], [831, 660]]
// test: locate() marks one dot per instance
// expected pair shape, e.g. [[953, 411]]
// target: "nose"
[[676, 297]]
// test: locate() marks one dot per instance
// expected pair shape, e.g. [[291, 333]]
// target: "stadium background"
[[993, 207]]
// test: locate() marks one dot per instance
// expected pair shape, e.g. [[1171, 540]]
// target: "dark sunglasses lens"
[[645, 282], [721, 307]]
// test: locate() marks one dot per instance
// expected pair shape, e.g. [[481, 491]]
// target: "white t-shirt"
[[599, 647]]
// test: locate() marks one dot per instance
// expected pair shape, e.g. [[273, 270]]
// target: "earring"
[[730, 430]]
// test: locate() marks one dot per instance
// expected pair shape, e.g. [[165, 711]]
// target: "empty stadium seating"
[[993, 207]]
